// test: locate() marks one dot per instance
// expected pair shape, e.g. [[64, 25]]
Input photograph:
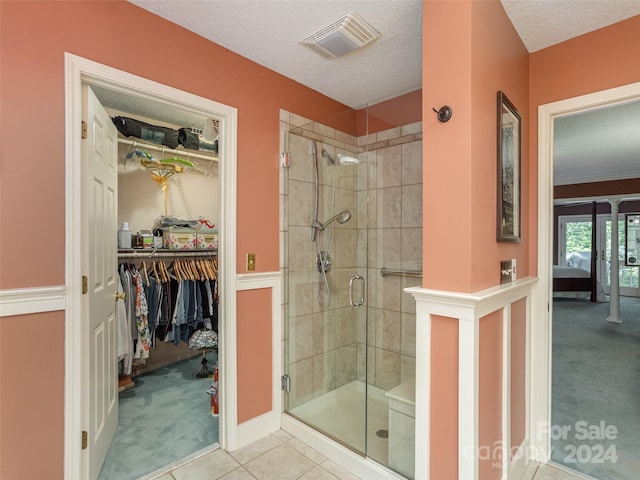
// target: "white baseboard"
[[256, 428]]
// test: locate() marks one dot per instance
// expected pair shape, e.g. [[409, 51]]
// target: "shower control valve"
[[323, 261]]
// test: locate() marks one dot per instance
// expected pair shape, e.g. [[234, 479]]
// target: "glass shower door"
[[351, 208], [326, 244]]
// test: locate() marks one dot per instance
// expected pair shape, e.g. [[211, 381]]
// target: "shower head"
[[342, 159], [342, 217], [326, 155]]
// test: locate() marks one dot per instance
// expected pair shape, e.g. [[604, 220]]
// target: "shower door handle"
[[360, 301]]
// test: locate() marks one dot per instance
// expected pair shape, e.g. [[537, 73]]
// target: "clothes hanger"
[[176, 269], [184, 270], [155, 272], [167, 275], [187, 269], [214, 262], [194, 269], [144, 271], [203, 270], [205, 266], [163, 271]]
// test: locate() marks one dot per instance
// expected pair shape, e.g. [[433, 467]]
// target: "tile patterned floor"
[[280, 456], [535, 471], [277, 456]]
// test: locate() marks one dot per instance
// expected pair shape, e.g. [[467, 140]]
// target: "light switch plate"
[[251, 262], [507, 271]]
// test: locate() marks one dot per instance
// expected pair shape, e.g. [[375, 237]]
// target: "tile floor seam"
[[256, 461], [245, 470]]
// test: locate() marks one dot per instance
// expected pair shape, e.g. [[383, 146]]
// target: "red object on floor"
[[124, 383], [214, 393]]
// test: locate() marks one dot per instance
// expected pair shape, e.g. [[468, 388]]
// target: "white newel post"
[[614, 293]]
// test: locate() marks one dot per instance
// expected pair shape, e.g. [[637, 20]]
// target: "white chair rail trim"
[[449, 304], [468, 309], [25, 301]]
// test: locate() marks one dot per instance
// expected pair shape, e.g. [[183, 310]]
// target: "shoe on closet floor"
[[125, 383]]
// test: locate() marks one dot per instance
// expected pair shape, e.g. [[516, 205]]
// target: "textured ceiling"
[[542, 23], [598, 145], [269, 32]]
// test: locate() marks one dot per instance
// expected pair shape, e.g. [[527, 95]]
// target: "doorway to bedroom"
[[594, 423]]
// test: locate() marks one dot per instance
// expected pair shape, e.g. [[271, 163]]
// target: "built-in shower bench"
[[402, 420]]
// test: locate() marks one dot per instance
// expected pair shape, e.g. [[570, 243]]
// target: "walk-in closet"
[[167, 302]]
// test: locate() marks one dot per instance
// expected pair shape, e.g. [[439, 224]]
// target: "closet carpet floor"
[[163, 418]]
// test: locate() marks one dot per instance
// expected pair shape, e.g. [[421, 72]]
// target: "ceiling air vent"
[[341, 37]]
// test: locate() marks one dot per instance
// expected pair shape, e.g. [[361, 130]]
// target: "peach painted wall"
[[490, 397], [33, 39], [32, 94], [402, 110], [518, 374], [596, 61], [255, 372], [482, 54], [32, 372], [500, 62], [444, 398], [446, 147]]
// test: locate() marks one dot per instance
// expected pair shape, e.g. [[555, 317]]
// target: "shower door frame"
[[298, 231]]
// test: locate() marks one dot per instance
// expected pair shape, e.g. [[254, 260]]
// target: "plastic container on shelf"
[[124, 236]]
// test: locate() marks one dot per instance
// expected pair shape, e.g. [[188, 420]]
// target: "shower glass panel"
[[351, 205]]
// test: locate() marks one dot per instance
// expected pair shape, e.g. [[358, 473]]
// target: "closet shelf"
[[161, 148], [164, 253]]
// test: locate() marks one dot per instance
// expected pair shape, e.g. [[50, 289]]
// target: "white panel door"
[[100, 216]]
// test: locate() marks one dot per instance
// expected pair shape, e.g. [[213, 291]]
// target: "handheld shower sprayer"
[[342, 217]]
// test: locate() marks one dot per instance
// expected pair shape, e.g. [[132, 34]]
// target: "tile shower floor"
[[341, 414]]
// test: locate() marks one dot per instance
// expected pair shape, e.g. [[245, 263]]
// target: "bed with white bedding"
[[578, 282]]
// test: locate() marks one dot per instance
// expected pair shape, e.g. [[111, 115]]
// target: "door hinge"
[[85, 440], [84, 130], [286, 383], [85, 284]]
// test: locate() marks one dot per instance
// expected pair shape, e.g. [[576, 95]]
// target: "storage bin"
[[207, 239], [179, 238]]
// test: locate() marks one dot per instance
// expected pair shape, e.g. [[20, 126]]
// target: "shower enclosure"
[[351, 206]]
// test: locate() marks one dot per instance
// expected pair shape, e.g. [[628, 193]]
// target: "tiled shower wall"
[[394, 230], [324, 347]]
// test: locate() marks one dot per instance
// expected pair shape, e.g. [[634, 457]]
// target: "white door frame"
[[78, 71], [540, 417]]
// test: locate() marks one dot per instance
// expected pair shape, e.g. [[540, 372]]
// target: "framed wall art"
[[509, 127]]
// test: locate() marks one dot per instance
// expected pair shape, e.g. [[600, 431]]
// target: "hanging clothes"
[[162, 308], [136, 311], [125, 346], [143, 344]]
